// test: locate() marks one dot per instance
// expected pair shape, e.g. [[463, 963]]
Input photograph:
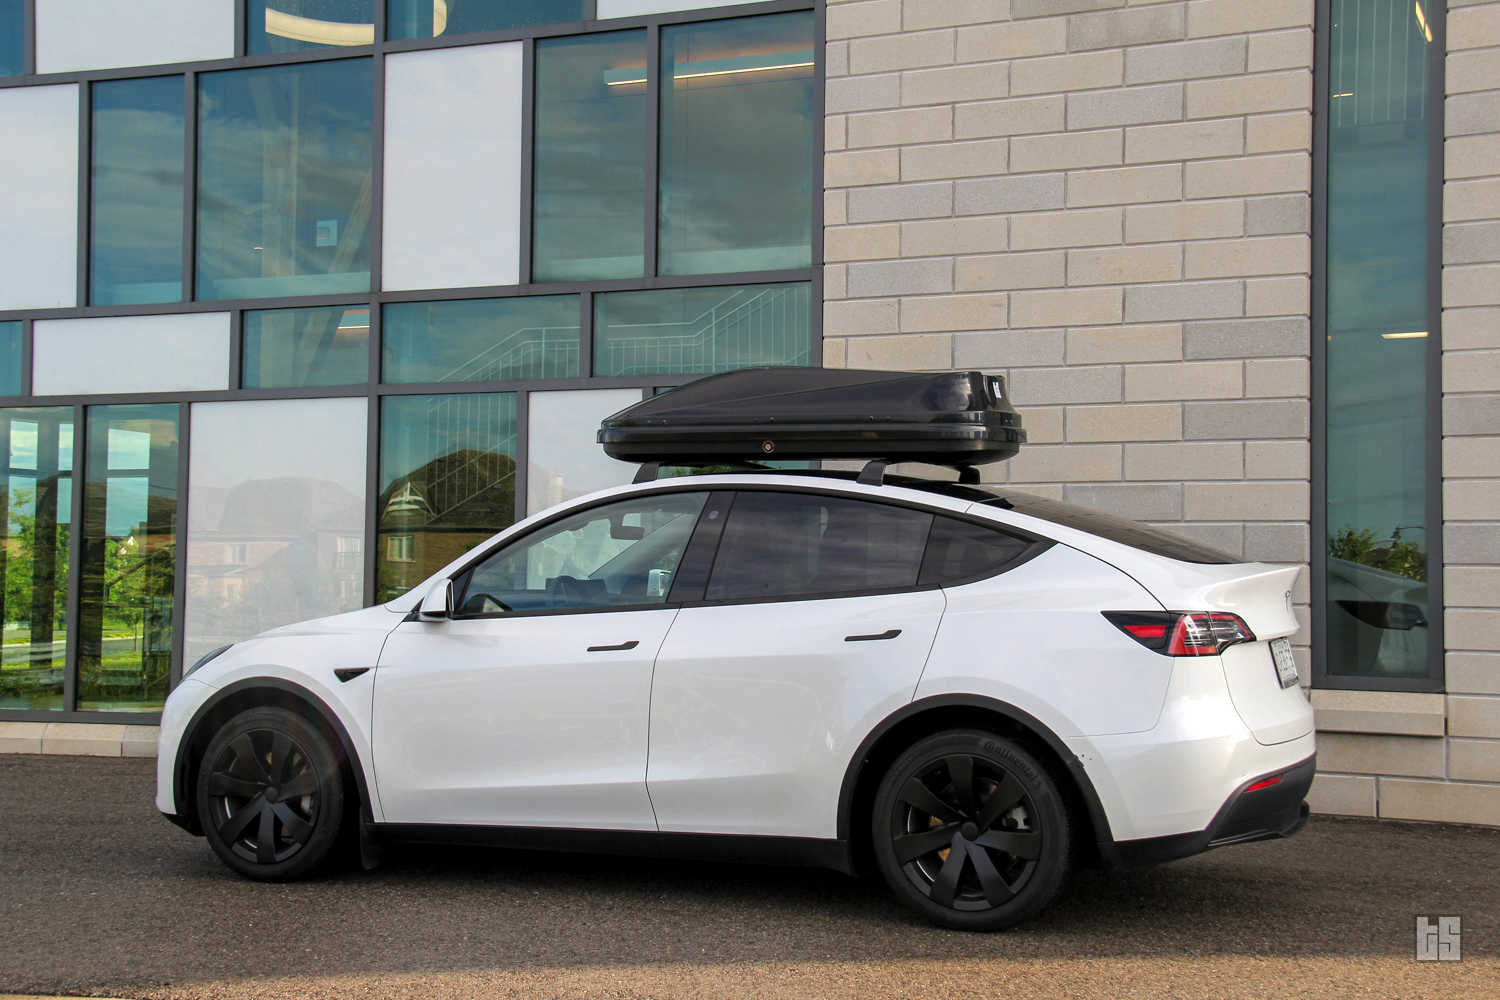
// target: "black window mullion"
[[528, 158], [75, 556], [85, 187], [372, 457], [28, 28], [377, 171], [241, 26], [523, 450], [180, 549]]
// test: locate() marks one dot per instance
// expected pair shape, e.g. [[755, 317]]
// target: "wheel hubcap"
[[965, 832], [263, 793]]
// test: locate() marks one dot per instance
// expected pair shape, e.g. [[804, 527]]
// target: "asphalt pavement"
[[99, 896]]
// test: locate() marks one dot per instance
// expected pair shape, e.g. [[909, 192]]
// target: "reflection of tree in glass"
[[1391, 555]]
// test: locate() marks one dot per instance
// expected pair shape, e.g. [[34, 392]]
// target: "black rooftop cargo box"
[[955, 418]]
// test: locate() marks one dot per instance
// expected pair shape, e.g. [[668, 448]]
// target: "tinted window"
[[1116, 529], [618, 555], [796, 545], [962, 550]]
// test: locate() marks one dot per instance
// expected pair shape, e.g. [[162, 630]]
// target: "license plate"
[[1286, 667]]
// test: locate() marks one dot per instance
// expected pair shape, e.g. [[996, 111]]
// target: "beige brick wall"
[[1108, 202]]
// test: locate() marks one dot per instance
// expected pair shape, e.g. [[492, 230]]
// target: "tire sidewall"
[[330, 793], [1053, 863]]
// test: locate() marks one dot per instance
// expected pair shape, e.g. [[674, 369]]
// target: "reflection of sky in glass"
[[136, 198], [129, 449], [12, 37], [481, 339], [432, 18], [22, 444], [565, 458], [125, 504]]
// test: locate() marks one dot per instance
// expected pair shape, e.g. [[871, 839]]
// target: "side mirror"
[[438, 604]]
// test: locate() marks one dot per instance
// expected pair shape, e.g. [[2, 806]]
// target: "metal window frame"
[[1435, 681], [372, 389]]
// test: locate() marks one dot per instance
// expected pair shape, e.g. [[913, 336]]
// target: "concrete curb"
[[78, 738]]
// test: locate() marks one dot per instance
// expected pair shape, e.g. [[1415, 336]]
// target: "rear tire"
[[270, 795], [972, 831]]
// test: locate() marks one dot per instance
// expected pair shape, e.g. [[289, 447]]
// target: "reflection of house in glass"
[[439, 512], [284, 550]]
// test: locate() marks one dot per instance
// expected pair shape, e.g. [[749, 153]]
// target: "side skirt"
[[809, 852]]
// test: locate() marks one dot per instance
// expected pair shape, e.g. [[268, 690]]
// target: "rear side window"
[[1116, 529], [802, 545], [961, 550]]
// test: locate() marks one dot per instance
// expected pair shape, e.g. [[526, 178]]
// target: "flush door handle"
[[887, 634], [611, 649]]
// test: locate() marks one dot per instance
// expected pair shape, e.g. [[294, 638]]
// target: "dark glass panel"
[[435, 18], [295, 25], [306, 347], [800, 545], [1378, 226], [478, 340], [38, 446], [12, 37], [10, 358], [679, 331], [737, 119], [284, 180], [135, 217], [129, 558], [962, 550], [590, 162], [447, 482]]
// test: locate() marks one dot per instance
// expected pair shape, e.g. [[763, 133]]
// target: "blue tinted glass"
[[434, 18], [12, 37], [481, 340], [10, 358], [294, 25], [284, 183], [679, 331], [135, 218], [737, 118], [302, 347], [1378, 226]]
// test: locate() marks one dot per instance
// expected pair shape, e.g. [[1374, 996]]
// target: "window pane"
[[564, 460], [74, 35], [618, 555], [961, 550], [797, 545], [737, 118], [477, 340], [182, 352], [129, 557], [1378, 227], [682, 331], [38, 446], [277, 535], [12, 37], [39, 197], [432, 18], [447, 482], [590, 170], [135, 247], [304, 347], [284, 180], [294, 25], [10, 359]]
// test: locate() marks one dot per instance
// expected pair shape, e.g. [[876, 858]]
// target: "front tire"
[[971, 831], [270, 795]]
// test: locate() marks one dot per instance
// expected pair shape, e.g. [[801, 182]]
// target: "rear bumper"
[[1279, 810]]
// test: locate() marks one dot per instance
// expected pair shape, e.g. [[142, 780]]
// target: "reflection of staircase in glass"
[[752, 326], [532, 352]]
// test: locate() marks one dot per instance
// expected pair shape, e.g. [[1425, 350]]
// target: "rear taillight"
[[1182, 633], [1274, 779]]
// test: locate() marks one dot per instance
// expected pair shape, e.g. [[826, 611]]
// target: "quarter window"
[[961, 550]]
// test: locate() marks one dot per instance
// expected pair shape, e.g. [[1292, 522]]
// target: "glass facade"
[[565, 458], [289, 348], [683, 331], [481, 340], [135, 209], [10, 358], [438, 18], [12, 37], [297, 25], [284, 180], [1378, 328]]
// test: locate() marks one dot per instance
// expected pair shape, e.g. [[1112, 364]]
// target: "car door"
[[811, 627], [529, 706]]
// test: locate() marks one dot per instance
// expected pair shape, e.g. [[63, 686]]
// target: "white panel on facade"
[[276, 516], [39, 197], [632, 8], [99, 34], [565, 460], [453, 167], [181, 353]]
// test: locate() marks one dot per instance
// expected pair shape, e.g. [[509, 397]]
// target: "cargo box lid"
[[951, 418]]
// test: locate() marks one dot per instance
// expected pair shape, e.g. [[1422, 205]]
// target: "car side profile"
[[970, 689]]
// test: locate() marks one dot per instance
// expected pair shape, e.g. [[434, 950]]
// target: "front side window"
[[619, 555], [780, 545]]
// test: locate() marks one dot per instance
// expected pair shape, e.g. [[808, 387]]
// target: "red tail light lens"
[[1182, 633]]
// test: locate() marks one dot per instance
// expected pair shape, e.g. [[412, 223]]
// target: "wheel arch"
[[959, 711], [258, 692]]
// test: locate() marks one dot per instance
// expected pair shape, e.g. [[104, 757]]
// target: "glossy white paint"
[[513, 722], [1274, 714], [757, 709]]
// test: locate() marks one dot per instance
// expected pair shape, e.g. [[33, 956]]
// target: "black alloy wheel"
[[270, 795], [971, 831]]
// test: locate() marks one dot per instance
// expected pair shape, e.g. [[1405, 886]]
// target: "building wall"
[[1109, 202]]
